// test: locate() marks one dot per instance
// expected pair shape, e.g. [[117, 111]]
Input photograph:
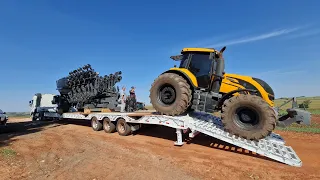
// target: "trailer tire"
[[96, 124], [123, 127], [108, 126]]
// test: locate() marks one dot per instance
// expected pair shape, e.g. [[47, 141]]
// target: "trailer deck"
[[272, 146]]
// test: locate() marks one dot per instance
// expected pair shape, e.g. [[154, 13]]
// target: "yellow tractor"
[[200, 84]]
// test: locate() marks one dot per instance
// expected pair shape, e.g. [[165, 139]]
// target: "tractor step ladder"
[[272, 146]]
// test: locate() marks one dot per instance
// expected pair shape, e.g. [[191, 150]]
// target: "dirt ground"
[[72, 150], [315, 119]]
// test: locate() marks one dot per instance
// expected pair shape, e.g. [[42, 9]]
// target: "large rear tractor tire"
[[170, 94], [248, 116]]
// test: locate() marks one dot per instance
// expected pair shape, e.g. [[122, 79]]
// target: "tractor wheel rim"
[[167, 94], [247, 118]]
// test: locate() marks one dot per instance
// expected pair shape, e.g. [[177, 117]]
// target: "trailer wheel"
[[96, 124], [108, 125], [123, 127]]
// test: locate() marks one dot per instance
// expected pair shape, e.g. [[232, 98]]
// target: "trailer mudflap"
[[294, 115]]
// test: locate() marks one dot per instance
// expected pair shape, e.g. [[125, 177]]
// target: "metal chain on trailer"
[[272, 146]]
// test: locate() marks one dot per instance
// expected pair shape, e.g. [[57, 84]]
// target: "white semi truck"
[[42, 107], [3, 118]]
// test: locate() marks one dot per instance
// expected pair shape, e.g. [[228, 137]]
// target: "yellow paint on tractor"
[[187, 74], [248, 79], [209, 50], [229, 82]]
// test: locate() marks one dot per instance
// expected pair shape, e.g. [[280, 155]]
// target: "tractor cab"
[[205, 64]]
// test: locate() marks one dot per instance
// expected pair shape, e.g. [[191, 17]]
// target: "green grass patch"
[[300, 129], [313, 128], [18, 114], [24, 116], [7, 152], [314, 111], [314, 105]]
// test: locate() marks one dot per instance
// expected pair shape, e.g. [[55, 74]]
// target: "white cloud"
[[278, 72], [257, 37], [305, 34]]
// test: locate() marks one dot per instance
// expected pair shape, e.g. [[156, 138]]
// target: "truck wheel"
[[3, 122], [108, 125], [34, 118], [96, 124], [170, 94], [123, 127], [248, 116], [41, 116]]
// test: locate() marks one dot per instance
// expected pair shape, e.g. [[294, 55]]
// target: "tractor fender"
[[229, 94], [185, 73]]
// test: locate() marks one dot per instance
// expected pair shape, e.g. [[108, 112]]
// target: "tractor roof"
[[198, 50], [185, 50]]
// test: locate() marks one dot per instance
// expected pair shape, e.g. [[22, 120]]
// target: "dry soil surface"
[[72, 150], [315, 119]]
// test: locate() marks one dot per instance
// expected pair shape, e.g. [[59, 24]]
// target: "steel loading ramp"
[[272, 146]]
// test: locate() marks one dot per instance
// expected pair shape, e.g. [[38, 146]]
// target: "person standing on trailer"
[[132, 102], [132, 92], [122, 99]]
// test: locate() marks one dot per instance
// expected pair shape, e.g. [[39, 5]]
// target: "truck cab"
[[42, 105], [3, 118]]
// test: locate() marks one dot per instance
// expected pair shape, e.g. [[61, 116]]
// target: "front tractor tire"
[[170, 94], [248, 116]]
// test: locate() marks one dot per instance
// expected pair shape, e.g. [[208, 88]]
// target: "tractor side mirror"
[[176, 58]]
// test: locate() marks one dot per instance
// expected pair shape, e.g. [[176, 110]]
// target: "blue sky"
[[42, 40]]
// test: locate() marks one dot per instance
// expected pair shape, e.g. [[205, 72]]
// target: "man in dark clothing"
[[131, 100], [132, 92]]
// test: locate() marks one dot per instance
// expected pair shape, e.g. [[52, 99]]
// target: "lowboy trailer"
[[272, 146]]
